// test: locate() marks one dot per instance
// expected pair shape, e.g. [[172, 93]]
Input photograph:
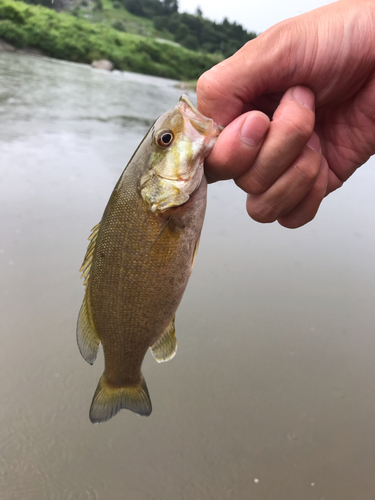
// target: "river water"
[[271, 395]]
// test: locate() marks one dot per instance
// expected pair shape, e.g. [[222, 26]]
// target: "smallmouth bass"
[[140, 257]]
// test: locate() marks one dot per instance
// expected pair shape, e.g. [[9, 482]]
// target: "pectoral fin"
[[87, 337], [165, 347]]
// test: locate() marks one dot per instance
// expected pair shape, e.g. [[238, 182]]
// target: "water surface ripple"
[[271, 394]]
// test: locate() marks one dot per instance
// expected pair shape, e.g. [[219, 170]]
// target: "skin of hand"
[[314, 77]]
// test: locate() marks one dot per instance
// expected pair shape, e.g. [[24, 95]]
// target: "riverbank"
[[62, 36], [7, 47]]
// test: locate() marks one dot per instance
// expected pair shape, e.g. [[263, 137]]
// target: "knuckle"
[[297, 219], [261, 210], [307, 171], [291, 223], [225, 162], [250, 185], [203, 82], [298, 129], [207, 86], [256, 181]]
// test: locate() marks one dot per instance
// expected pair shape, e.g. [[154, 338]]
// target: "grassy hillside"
[[115, 15], [73, 38]]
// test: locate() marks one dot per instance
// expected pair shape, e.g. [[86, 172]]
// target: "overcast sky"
[[254, 15]]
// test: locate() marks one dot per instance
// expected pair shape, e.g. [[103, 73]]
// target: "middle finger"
[[289, 132]]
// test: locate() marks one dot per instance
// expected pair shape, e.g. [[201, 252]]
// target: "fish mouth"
[[200, 122], [186, 106]]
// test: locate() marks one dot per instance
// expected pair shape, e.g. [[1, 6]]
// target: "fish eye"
[[164, 138]]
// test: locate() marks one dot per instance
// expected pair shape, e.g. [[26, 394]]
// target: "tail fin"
[[108, 401]]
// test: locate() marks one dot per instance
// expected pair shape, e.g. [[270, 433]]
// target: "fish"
[[141, 255]]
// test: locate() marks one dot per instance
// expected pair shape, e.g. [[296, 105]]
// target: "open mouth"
[[195, 113], [200, 122]]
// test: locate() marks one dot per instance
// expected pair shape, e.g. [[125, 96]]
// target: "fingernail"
[[314, 142], [304, 96], [254, 129]]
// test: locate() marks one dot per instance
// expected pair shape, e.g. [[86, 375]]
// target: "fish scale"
[[141, 255]]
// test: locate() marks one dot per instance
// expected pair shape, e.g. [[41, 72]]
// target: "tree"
[[192, 31], [169, 7]]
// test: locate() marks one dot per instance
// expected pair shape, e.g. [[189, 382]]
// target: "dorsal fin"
[[87, 261]]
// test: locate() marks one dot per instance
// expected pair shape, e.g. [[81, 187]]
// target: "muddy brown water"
[[271, 395]]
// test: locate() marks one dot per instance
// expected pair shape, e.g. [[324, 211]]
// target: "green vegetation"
[[159, 19], [146, 36], [65, 36], [192, 31], [113, 13]]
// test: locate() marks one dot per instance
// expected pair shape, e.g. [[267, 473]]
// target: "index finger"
[[215, 99], [261, 66]]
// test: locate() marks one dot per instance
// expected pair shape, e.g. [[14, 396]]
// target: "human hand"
[[315, 76]]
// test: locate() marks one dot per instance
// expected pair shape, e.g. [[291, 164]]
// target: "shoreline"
[[25, 28], [8, 48]]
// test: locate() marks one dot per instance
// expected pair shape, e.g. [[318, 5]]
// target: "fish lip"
[[188, 109], [205, 125], [197, 114]]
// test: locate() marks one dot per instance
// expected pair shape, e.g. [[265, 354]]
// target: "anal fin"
[[165, 347]]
